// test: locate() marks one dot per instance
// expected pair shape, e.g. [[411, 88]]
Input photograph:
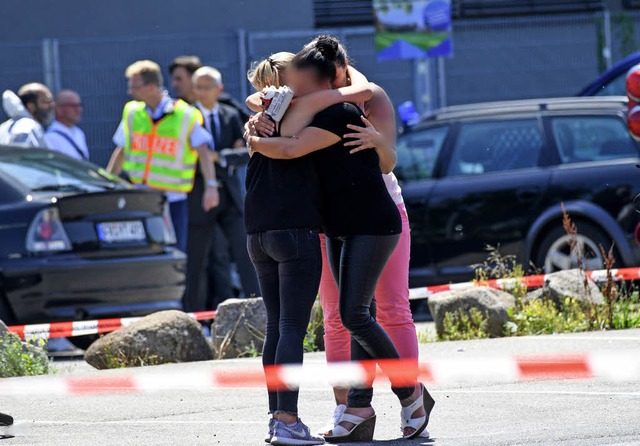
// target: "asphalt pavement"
[[565, 412]]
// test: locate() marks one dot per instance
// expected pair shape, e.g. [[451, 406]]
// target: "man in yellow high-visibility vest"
[[159, 141]]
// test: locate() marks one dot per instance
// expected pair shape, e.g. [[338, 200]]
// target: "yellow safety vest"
[[160, 154]]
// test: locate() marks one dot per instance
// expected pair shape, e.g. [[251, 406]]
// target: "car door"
[[492, 188], [598, 161], [418, 155]]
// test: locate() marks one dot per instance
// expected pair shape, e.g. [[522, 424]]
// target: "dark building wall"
[[28, 20]]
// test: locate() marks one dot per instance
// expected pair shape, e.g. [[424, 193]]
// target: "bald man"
[[64, 135], [29, 112]]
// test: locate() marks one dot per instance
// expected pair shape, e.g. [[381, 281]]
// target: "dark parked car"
[[497, 174], [77, 243], [613, 81]]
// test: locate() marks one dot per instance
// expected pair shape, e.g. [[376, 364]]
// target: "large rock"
[[3, 328], [239, 327], [493, 304], [571, 283], [164, 337]]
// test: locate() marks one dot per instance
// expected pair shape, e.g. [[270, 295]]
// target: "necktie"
[[215, 133]]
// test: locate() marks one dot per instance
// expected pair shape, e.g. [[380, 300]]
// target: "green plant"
[[118, 359], [315, 330], [425, 336], [541, 316], [462, 326], [499, 266], [626, 309], [251, 351], [18, 360]]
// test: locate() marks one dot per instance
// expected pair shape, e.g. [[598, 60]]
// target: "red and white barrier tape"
[[81, 328], [623, 366], [536, 281]]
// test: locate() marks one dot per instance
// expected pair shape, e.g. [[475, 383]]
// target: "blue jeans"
[[289, 265], [180, 219]]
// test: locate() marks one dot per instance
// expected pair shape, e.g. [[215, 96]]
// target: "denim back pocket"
[[282, 246]]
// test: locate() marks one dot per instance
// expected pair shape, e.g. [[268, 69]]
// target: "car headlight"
[[46, 233]]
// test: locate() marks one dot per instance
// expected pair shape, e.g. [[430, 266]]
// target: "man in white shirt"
[[29, 111], [64, 135]]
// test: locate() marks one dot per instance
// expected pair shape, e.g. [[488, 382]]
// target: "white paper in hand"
[[275, 101]]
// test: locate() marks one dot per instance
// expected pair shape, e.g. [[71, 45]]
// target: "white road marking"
[[537, 392]]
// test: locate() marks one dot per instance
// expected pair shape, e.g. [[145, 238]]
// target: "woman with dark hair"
[[363, 227], [392, 290], [284, 247]]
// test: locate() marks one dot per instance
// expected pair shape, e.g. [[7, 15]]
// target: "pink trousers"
[[392, 301]]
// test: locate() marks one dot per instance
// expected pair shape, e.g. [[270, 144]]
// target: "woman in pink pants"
[[392, 291]]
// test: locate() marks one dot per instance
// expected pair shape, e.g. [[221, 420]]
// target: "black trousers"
[[213, 239], [289, 266], [356, 264]]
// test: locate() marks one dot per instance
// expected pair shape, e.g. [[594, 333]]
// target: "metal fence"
[[495, 59]]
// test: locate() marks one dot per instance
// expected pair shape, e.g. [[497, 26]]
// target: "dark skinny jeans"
[[288, 264], [356, 264]]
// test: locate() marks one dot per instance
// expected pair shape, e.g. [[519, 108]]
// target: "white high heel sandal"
[[418, 424]]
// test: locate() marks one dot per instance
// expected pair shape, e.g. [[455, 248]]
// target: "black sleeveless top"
[[355, 200], [281, 194]]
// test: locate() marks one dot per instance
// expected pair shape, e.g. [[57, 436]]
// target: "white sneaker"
[[425, 434], [335, 419]]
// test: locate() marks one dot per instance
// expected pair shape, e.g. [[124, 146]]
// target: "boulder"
[[490, 302], [571, 283], [164, 337], [3, 328], [239, 327]]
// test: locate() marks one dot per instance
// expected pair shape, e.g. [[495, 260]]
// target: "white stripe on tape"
[[461, 371]]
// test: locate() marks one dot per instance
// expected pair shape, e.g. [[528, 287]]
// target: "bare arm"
[[253, 102], [380, 133], [303, 109], [116, 161], [310, 139]]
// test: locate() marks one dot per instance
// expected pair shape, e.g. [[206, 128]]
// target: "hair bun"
[[328, 46]]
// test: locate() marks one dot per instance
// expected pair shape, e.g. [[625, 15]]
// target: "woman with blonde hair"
[[392, 290], [362, 226], [282, 218]]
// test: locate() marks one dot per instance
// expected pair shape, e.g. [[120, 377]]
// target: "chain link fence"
[[495, 59]]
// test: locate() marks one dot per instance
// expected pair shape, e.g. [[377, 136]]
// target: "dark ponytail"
[[334, 49], [317, 58]]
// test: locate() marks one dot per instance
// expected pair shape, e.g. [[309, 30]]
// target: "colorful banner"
[[413, 29]]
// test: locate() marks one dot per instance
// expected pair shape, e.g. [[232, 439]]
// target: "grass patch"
[[461, 326], [119, 359], [424, 41]]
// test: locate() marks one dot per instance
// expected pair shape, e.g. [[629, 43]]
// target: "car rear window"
[[41, 170], [418, 152], [592, 138], [495, 146]]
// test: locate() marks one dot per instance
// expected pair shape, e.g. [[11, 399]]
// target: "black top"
[[355, 198], [281, 194]]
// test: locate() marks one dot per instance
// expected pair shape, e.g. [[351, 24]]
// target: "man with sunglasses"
[[64, 135]]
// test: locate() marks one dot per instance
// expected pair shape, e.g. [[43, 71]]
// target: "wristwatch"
[[212, 183]]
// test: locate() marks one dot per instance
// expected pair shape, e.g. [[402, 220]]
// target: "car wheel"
[[555, 252]]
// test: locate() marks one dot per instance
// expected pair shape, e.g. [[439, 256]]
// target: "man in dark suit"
[[220, 230]]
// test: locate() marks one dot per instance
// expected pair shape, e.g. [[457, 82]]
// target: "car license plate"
[[121, 231]]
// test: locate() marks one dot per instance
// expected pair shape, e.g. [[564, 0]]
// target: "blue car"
[[612, 82]]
